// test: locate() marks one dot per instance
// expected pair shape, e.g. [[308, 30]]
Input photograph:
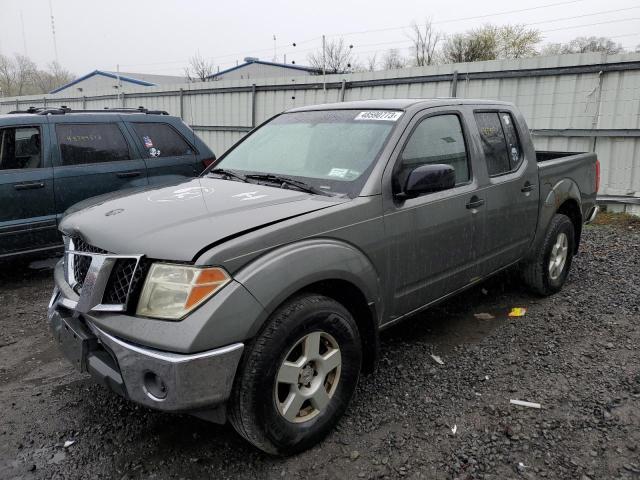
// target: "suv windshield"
[[332, 150]]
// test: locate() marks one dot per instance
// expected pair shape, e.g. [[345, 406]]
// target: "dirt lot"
[[575, 353]]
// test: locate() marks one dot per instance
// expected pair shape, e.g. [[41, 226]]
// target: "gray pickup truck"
[[256, 292]]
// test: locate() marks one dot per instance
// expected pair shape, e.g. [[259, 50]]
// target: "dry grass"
[[617, 219]]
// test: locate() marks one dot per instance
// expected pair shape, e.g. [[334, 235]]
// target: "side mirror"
[[429, 179]]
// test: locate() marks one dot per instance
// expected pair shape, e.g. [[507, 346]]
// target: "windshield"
[[332, 150]]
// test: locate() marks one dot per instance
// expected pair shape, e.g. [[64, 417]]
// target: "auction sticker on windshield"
[[385, 115]]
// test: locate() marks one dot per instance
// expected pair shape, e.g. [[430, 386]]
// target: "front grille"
[[124, 279], [81, 263]]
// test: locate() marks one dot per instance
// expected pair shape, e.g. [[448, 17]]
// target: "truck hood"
[[178, 221]]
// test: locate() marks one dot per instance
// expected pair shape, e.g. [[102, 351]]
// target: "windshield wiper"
[[228, 174], [305, 187]]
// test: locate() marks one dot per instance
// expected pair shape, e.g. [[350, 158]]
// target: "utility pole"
[[275, 52], [119, 86], [324, 65]]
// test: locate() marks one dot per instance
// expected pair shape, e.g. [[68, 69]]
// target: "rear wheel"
[[546, 273], [298, 376]]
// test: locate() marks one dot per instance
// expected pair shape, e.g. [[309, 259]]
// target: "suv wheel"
[[548, 270], [297, 377]]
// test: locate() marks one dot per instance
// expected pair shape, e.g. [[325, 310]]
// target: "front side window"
[[333, 150], [91, 143], [20, 148], [436, 140], [160, 140]]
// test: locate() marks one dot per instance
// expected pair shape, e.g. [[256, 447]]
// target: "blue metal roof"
[[104, 74], [273, 64]]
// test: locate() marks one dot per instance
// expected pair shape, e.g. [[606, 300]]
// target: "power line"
[[397, 42], [317, 38]]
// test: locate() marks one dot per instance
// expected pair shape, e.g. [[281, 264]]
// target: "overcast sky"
[[158, 36]]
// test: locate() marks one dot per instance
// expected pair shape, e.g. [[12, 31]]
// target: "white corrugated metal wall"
[[567, 100]]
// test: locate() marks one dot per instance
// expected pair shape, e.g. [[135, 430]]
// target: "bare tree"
[[17, 75], [338, 57], [425, 42], [372, 62], [393, 60], [584, 45], [199, 69], [51, 78]]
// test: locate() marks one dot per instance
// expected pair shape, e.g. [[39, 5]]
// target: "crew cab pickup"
[[52, 158], [256, 292]]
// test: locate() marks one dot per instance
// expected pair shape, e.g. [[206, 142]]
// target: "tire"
[[539, 274], [260, 400]]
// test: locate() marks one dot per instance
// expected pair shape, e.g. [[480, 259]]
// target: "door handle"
[[475, 202], [28, 186], [128, 174], [528, 187]]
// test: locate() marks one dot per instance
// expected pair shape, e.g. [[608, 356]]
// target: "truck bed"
[[576, 170]]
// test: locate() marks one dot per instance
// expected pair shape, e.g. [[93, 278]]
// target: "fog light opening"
[[154, 387]]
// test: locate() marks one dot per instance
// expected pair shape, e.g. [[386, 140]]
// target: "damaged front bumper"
[[194, 383]]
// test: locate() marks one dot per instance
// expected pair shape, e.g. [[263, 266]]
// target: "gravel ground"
[[575, 353]]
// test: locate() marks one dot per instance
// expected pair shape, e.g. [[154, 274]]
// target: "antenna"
[[24, 37], [53, 31]]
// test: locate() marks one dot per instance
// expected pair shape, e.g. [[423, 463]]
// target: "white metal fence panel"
[[571, 102]]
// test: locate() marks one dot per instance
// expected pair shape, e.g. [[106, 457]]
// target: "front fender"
[[274, 277]]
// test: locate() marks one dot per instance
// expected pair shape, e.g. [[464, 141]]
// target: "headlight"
[[172, 291]]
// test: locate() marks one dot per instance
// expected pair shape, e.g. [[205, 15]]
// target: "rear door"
[[27, 213], [92, 159], [169, 156], [433, 237], [511, 193]]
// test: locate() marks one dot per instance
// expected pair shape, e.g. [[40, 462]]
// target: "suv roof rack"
[[62, 110]]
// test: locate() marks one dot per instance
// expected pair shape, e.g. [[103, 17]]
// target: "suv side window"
[[161, 140], [437, 139], [91, 143], [20, 148], [502, 150]]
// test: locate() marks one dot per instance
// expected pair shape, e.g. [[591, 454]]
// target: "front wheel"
[[546, 273], [297, 377]]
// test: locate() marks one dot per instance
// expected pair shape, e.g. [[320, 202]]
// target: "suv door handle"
[[475, 202], [28, 186], [528, 187], [128, 174]]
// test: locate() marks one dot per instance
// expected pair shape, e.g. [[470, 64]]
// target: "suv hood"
[[178, 221]]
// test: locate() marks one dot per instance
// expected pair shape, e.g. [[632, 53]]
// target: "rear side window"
[[91, 143], [511, 135], [20, 148], [161, 140], [436, 140], [502, 150]]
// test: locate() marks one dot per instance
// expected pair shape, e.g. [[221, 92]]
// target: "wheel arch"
[[324, 266], [564, 197]]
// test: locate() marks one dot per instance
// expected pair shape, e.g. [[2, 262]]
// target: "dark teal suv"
[[53, 158]]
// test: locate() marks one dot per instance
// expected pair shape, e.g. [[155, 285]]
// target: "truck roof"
[[397, 104]]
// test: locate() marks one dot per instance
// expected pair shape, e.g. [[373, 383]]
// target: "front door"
[[432, 237], [27, 212], [93, 158]]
